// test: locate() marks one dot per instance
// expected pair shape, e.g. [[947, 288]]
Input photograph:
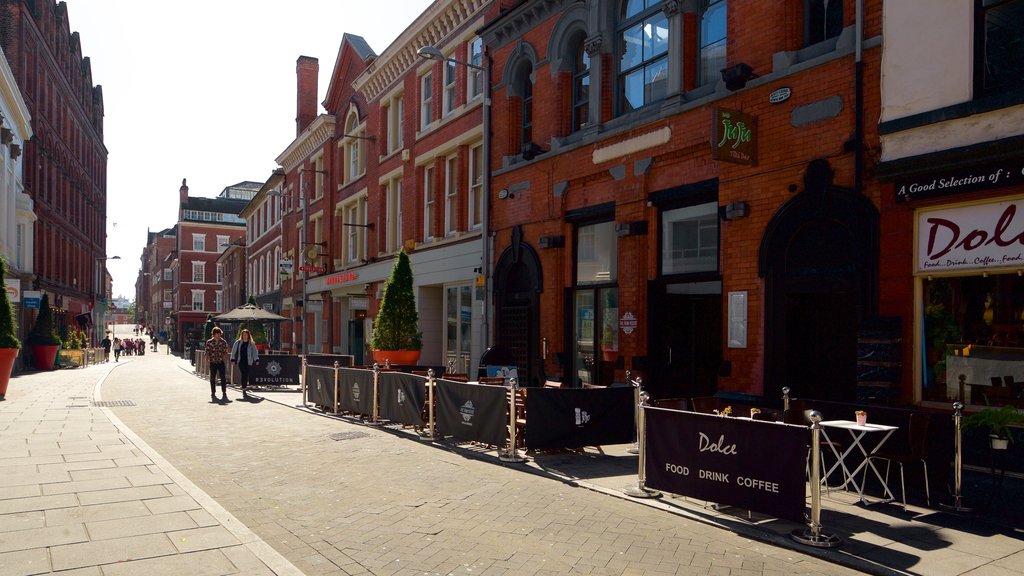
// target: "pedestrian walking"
[[106, 343], [117, 349], [245, 355], [217, 355]]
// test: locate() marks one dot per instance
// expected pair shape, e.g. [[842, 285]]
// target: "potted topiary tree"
[[396, 337], [9, 343], [43, 338], [256, 329]]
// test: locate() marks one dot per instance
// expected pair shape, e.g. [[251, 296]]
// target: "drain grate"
[[113, 403], [347, 435]]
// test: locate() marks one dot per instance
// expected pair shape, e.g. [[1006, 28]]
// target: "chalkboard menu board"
[[879, 359]]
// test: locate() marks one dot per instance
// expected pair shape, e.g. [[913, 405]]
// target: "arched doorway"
[[518, 280], [819, 259]]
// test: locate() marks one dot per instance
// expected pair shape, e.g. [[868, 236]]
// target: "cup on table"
[[862, 418]]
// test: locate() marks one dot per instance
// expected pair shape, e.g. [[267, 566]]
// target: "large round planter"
[[7, 358], [44, 355], [396, 357]]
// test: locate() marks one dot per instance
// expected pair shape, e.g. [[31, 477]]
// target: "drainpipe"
[[858, 132]]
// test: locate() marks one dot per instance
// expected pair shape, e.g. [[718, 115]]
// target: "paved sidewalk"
[[879, 539], [80, 494]]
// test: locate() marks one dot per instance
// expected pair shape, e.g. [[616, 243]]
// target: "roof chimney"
[[307, 69], [182, 199]]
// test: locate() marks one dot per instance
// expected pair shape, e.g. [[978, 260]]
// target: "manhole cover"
[[348, 435], [112, 403]]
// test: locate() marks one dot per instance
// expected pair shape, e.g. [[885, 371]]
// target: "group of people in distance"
[[126, 346]]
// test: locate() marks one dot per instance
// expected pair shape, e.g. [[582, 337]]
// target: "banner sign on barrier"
[[356, 394], [402, 397], [744, 463], [320, 386], [277, 370], [472, 412], [574, 417]]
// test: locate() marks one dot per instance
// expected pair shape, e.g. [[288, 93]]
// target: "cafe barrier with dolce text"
[[745, 463]]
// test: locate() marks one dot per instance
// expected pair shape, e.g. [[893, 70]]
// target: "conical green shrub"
[[397, 323], [44, 333]]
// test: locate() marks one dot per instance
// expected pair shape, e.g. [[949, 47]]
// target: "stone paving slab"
[[80, 495]]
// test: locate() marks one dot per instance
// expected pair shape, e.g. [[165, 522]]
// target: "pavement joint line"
[[274, 560]]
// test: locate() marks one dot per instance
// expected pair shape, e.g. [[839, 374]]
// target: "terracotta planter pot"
[[7, 358], [44, 355], [397, 357]]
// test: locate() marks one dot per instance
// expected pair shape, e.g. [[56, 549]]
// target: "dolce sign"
[[980, 236]]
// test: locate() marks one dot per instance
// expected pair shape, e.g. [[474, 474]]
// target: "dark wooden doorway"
[[518, 282], [686, 340], [819, 258]]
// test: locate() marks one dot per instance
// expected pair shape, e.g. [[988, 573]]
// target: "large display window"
[[973, 336]]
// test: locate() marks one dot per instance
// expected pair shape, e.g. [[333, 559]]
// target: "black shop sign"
[[276, 370], [744, 463], [960, 181]]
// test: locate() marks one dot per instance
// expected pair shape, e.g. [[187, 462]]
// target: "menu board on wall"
[[978, 236]]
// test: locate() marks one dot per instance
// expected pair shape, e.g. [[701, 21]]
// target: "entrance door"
[[821, 345], [356, 340], [458, 306], [686, 340]]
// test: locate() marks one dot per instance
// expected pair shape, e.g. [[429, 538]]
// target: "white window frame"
[[220, 274], [199, 242], [394, 214], [394, 120], [168, 295], [429, 205], [168, 274], [449, 99], [426, 100], [201, 294], [474, 76], [476, 186], [451, 195], [222, 243], [198, 272], [218, 300]]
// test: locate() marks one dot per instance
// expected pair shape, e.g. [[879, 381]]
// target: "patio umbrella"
[[249, 313]]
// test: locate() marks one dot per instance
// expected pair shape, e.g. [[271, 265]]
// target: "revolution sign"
[[744, 463], [969, 237]]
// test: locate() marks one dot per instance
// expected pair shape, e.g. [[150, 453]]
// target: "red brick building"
[[155, 282], [681, 190], [66, 161], [206, 227], [395, 162]]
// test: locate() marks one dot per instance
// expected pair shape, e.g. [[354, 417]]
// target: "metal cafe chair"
[[915, 450]]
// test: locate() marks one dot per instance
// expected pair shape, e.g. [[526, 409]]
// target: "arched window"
[[643, 54], [580, 85]]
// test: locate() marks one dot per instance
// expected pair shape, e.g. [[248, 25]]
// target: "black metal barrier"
[[745, 463], [575, 417], [329, 359], [472, 412], [278, 370], [356, 391], [402, 397], [321, 389]]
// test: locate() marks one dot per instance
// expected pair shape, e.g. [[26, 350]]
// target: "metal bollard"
[[376, 380], [303, 376], [337, 385], [958, 502], [634, 448], [641, 491], [431, 435], [785, 398], [511, 454], [813, 535]]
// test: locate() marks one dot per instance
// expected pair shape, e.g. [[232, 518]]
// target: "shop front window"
[[458, 327], [973, 336]]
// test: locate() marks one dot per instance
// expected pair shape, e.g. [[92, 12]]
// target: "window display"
[[973, 331]]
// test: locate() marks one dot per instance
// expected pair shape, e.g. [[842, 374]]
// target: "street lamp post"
[[432, 53]]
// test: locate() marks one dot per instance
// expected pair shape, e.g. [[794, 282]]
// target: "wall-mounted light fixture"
[[735, 211], [504, 194], [737, 76]]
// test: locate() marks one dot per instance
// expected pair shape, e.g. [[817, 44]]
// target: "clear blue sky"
[[205, 90]]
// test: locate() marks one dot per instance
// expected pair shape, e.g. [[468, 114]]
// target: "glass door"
[[458, 328], [596, 343]]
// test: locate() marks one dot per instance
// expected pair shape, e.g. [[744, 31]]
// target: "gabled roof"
[[358, 46]]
